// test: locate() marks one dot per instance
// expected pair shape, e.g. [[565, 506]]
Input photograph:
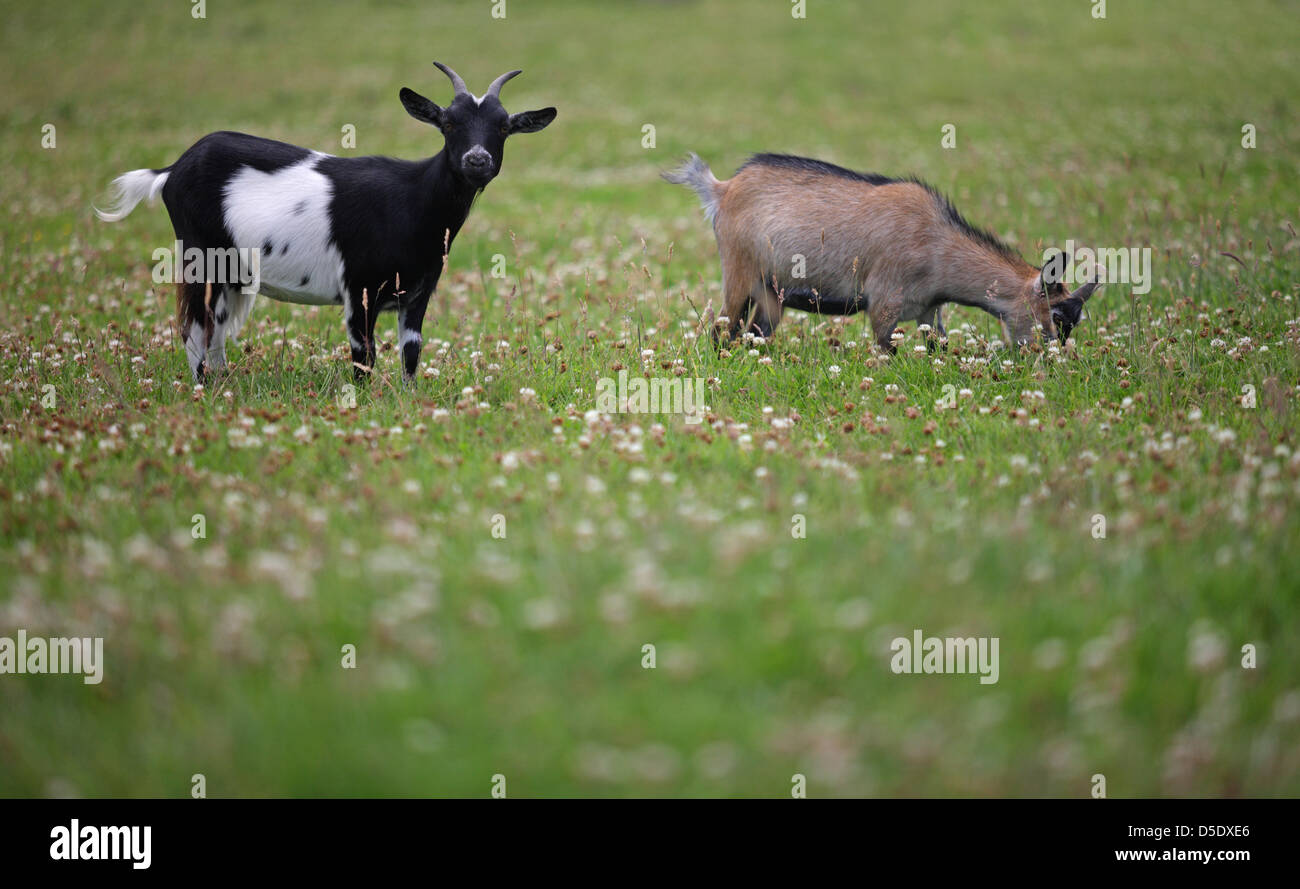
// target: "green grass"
[[522, 656]]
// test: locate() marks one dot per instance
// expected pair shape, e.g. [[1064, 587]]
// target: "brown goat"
[[800, 233]]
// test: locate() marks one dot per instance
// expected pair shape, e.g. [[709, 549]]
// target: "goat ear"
[[420, 108], [531, 121], [1039, 288], [1053, 271]]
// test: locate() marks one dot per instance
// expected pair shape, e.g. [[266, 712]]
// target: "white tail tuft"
[[130, 189], [696, 174]]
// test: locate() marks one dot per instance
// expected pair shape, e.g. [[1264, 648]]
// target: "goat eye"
[[505, 129]]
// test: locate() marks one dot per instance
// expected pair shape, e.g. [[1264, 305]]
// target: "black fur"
[[808, 301], [811, 165]]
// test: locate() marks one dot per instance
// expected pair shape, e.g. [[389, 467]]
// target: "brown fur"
[[193, 304], [895, 248]]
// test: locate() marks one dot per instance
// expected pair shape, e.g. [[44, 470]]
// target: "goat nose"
[[477, 159]]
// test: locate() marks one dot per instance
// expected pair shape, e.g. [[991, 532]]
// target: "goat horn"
[[457, 84], [495, 89]]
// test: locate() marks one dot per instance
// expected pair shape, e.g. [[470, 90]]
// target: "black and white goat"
[[370, 233]]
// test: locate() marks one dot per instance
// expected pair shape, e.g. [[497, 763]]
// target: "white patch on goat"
[[234, 305], [195, 348], [240, 306], [287, 207], [217, 350], [406, 335], [216, 357]]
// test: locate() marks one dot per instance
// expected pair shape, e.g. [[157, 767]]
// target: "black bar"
[[332, 838]]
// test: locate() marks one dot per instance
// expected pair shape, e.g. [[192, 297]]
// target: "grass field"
[[1172, 415]]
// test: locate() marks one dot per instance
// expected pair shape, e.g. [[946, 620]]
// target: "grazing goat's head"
[[1056, 303], [475, 127]]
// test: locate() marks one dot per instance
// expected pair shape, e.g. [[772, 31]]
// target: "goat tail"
[[696, 174], [130, 189]]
